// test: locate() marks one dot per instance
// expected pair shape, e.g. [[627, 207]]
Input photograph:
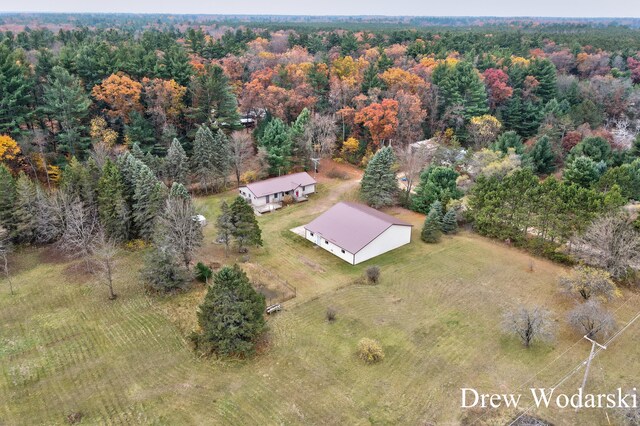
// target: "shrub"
[[203, 272], [287, 200], [373, 274], [331, 314], [249, 176], [135, 245], [370, 351], [337, 174]]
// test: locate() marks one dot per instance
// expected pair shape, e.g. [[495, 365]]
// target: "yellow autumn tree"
[[483, 130], [349, 149], [9, 149], [101, 133]]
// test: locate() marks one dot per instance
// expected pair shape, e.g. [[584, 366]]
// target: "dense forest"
[[119, 109]]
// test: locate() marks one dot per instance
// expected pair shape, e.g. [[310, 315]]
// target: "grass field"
[[64, 348]]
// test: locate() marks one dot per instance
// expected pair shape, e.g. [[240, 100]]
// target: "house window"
[[311, 233], [342, 251], [326, 242]]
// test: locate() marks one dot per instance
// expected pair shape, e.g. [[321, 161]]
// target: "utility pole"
[[591, 355]]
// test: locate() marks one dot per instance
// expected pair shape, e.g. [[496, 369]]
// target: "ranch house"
[[355, 232], [267, 195]]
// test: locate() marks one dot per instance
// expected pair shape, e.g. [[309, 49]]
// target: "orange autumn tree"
[[121, 94], [397, 79], [381, 119], [164, 99]]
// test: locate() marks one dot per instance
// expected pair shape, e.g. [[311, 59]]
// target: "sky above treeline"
[[554, 8]]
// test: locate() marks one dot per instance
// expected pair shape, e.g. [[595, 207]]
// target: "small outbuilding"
[[355, 232], [268, 194]]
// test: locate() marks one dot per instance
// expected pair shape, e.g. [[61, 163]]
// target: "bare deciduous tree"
[[611, 243], [529, 324], [592, 319], [319, 137], [241, 152], [50, 213], [179, 232], [80, 232], [105, 251], [589, 282], [5, 249], [412, 162]]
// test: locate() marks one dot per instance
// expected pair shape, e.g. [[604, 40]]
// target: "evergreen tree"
[[112, 205], [276, 139], [179, 191], [379, 185], [175, 65], [76, 181], [23, 214], [213, 100], [224, 225], [202, 157], [245, 226], [431, 228], [541, 156], [137, 152], [508, 140], [450, 222], [436, 210], [371, 79], [221, 156], [148, 199], [162, 273], [140, 131], [66, 101], [231, 316], [594, 147], [15, 92], [522, 116], [582, 171], [437, 183], [545, 73], [7, 198], [176, 163], [462, 87]]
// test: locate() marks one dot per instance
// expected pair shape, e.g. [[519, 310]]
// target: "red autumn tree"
[[498, 89], [634, 67], [381, 119]]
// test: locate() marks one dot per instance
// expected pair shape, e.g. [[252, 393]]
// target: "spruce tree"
[[379, 185], [221, 156], [541, 156], [23, 214], [148, 199], [176, 163], [179, 191], [137, 152], [224, 225], [76, 181], [431, 228], [202, 157], [112, 205], [7, 198], [277, 141], [232, 315], [436, 210], [449, 222], [162, 273], [245, 226]]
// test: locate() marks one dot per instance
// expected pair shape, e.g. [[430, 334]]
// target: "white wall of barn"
[[329, 246], [392, 238]]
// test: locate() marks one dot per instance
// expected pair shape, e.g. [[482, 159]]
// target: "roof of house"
[[280, 184], [352, 226]]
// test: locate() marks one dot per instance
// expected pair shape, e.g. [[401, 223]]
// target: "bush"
[[337, 174], [373, 274], [135, 245], [203, 272], [331, 314], [287, 200], [249, 176], [370, 351]]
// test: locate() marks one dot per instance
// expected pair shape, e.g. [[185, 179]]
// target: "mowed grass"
[[65, 348]]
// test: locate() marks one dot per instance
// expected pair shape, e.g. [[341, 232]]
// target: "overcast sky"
[[572, 8]]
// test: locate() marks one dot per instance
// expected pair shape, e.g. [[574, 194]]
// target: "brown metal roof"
[[280, 184], [352, 226]]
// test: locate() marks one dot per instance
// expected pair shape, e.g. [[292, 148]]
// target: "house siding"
[[276, 197], [392, 238], [329, 246]]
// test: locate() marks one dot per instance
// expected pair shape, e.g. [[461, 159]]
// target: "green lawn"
[[65, 348]]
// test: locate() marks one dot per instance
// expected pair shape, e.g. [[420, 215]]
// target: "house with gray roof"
[[267, 195], [355, 232]]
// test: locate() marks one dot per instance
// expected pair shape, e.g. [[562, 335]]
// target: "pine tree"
[[277, 141], [245, 226], [370, 79], [224, 224], [202, 157], [66, 101], [231, 316], [175, 65], [15, 92], [148, 199], [7, 198], [449, 222], [176, 163], [545, 73], [23, 214], [112, 205], [213, 99], [508, 140], [582, 171], [140, 131], [379, 185], [221, 156], [436, 183], [76, 181], [431, 228], [541, 156]]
